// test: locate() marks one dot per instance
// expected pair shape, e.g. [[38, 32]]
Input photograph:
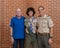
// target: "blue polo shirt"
[[18, 27]]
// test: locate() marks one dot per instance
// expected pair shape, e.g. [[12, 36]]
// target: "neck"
[[30, 16], [42, 14], [18, 17]]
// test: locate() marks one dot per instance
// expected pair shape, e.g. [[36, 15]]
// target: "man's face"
[[30, 13], [18, 12], [40, 10]]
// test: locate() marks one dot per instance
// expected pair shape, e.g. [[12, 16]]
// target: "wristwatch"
[[50, 36]]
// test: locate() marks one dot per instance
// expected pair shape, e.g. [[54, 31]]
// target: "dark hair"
[[41, 7], [30, 9]]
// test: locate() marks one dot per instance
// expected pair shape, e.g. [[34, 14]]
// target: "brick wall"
[[8, 8]]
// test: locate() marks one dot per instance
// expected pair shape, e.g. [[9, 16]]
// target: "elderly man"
[[17, 29]]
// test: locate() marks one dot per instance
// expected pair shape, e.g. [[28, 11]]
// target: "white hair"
[[18, 9]]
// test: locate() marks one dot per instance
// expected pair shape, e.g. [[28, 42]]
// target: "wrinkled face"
[[18, 12], [30, 13], [40, 10]]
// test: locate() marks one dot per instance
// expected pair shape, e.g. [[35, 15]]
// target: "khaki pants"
[[31, 41], [43, 41]]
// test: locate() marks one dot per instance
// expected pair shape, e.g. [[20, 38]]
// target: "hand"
[[12, 40], [50, 41], [36, 30], [26, 31]]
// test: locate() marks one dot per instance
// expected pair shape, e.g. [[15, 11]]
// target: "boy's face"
[[30, 13]]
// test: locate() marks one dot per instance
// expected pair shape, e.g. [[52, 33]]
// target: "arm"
[[11, 31], [51, 29], [11, 28], [26, 25], [51, 32], [25, 16], [51, 25], [51, 35], [11, 35], [37, 25]]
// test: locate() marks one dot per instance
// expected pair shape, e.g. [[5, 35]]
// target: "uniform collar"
[[44, 16]]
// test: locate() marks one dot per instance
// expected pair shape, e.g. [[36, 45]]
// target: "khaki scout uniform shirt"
[[33, 20], [44, 23]]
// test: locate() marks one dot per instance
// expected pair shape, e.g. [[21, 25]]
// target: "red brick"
[[8, 8]]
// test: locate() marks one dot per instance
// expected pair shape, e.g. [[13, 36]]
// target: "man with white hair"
[[17, 29]]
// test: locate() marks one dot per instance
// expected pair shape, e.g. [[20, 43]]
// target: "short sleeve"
[[11, 22], [26, 22], [51, 24]]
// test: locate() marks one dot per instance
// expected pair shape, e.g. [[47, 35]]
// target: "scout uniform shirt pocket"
[[44, 23]]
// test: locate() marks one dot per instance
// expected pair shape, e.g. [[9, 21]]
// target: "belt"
[[31, 33], [43, 34]]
